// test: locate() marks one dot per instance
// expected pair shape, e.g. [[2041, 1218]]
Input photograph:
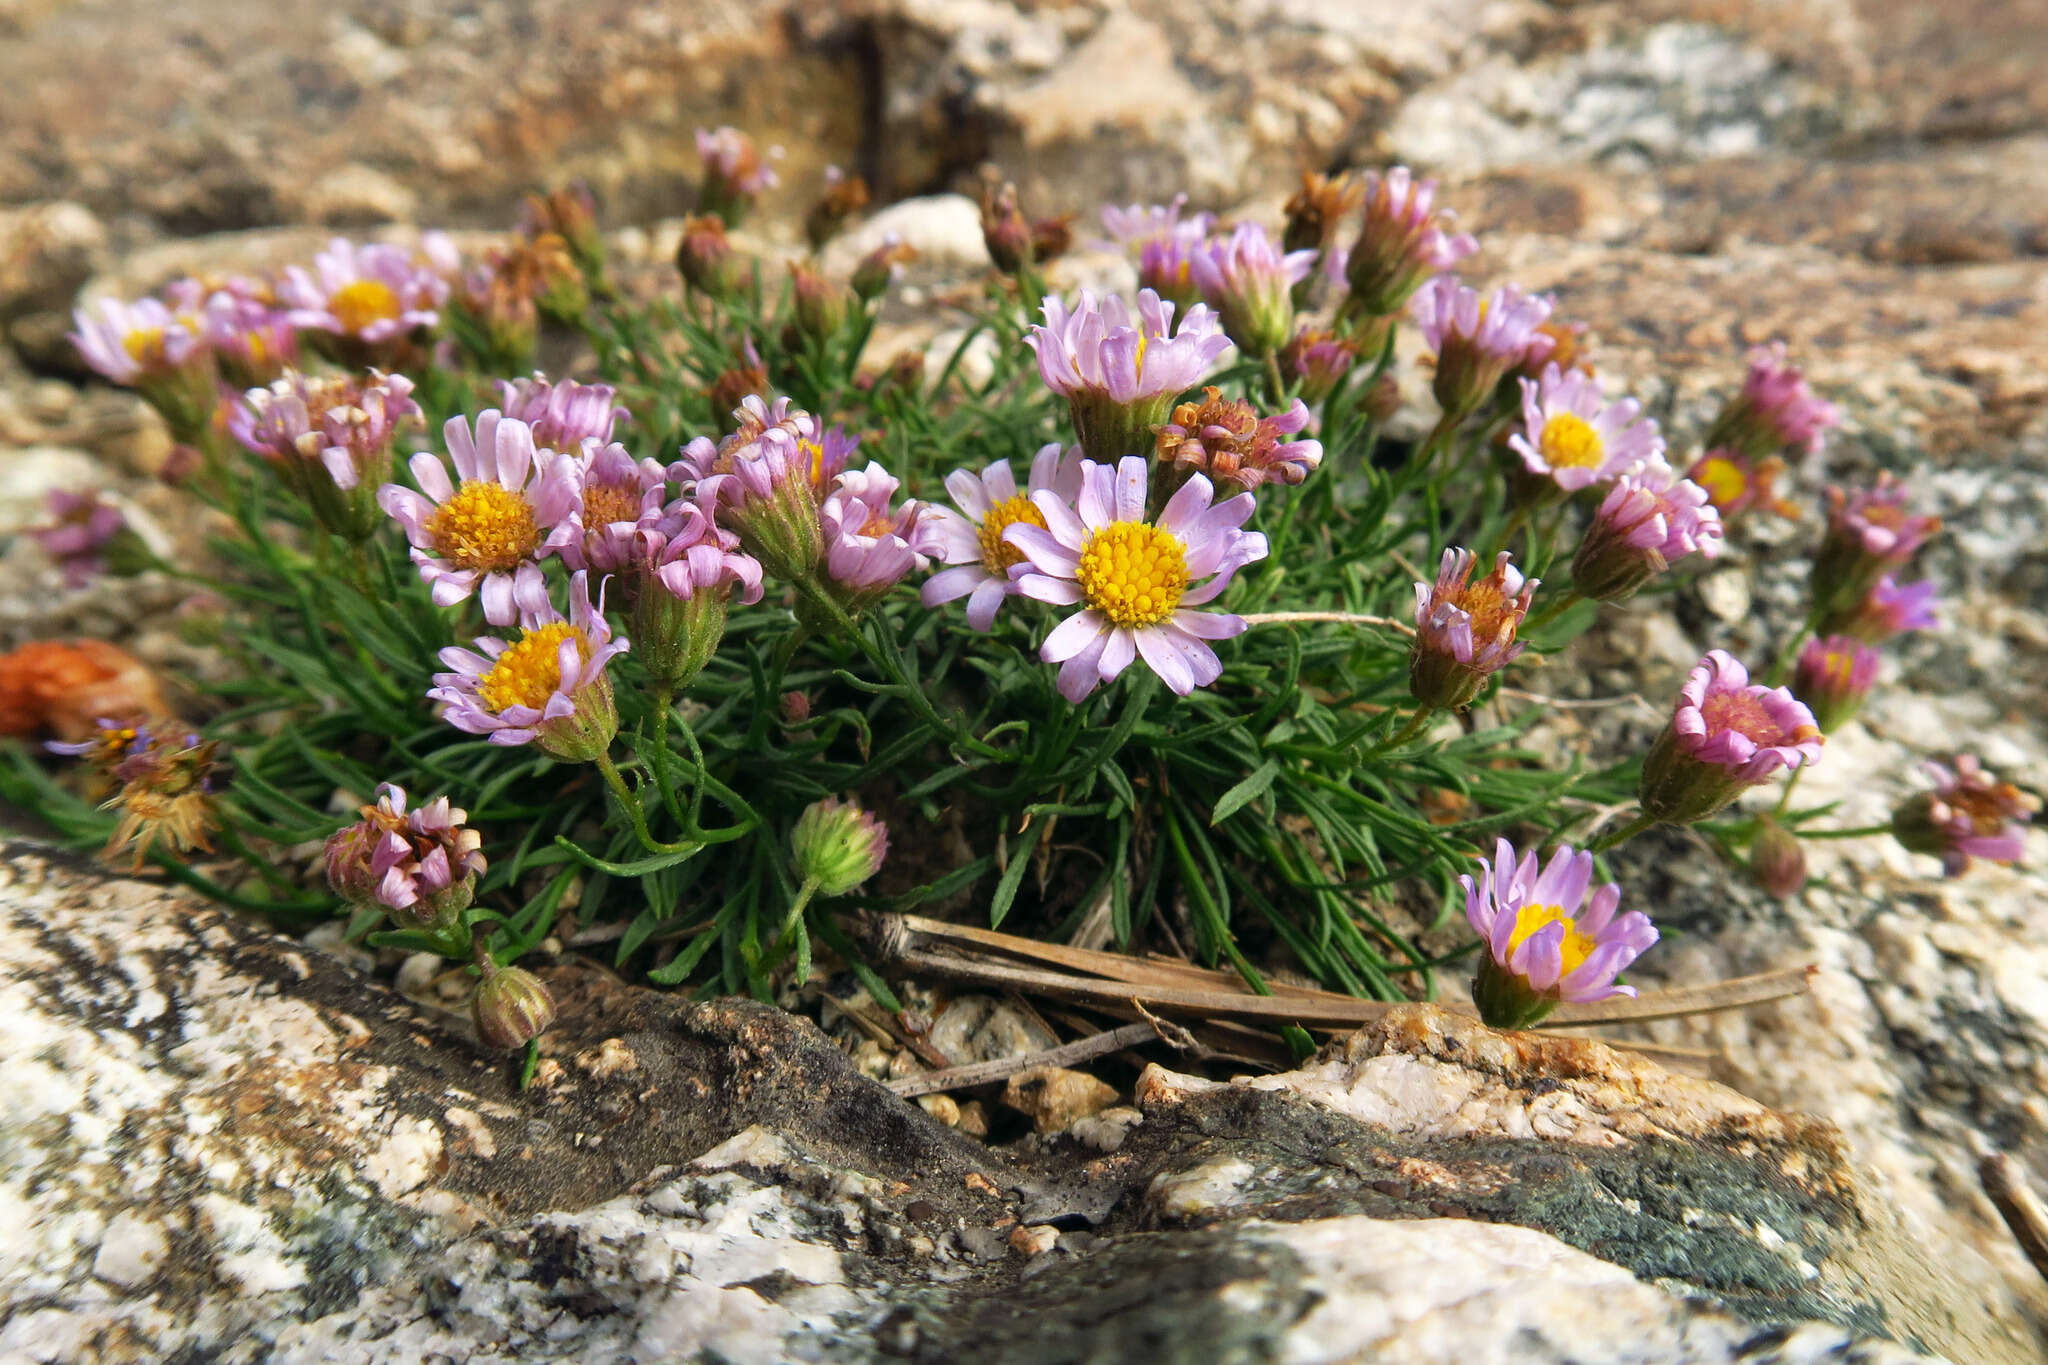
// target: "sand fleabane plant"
[[1120, 368], [369, 299], [475, 535], [1573, 437], [1726, 735], [1465, 631], [547, 688], [971, 541], [1478, 339], [1546, 942], [1138, 582], [757, 483]]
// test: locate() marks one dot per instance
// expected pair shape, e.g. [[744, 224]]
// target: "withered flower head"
[[844, 196], [1318, 207], [571, 214], [165, 791], [1228, 440]]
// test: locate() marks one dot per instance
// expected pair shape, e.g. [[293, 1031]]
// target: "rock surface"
[[227, 1145]]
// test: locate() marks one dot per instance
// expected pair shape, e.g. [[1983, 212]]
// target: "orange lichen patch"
[[62, 688]]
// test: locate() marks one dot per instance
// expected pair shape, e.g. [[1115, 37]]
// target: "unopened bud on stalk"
[[511, 1006], [1777, 860], [838, 845], [705, 259]]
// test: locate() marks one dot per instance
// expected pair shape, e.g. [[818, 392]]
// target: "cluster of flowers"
[[1138, 526]]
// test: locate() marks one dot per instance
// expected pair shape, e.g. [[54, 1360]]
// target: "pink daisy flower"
[[549, 687], [563, 414], [1775, 410], [1546, 942], [1250, 281], [1119, 371], [372, 293], [1726, 734], [1574, 437], [1137, 582], [971, 539], [474, 536], [870, 546], [1478, 339], [1649, 519], [616, 498]]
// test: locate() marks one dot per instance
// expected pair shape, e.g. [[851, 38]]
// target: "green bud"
[[838, 845], [511, 1007]]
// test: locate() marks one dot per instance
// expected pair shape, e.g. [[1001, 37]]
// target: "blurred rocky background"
[[1865, 179]]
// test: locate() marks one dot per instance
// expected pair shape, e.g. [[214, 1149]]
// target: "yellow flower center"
[[1838, 667], [485, 526], [530, 671], [1532, 919], [1569, 442], [361, 302], [1722, 478], [996, 555], [605, 503], [1133, 573], [145, 345], [814, 460]]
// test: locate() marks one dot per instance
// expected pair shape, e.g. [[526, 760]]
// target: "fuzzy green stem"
[[617, 782], [1407, 732], [1860, 832], [1782, 667], [1785, 797], [1275, 380], [1621, 833]]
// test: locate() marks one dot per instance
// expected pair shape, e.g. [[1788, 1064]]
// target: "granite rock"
[[228, 1145]]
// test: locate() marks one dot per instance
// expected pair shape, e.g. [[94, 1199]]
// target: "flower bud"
[[734, 173], [821, 304], [705, 260], [511, 1007], [838, 845], [1004, 230], [1777, 860], [1319, 360], [877, 269]]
